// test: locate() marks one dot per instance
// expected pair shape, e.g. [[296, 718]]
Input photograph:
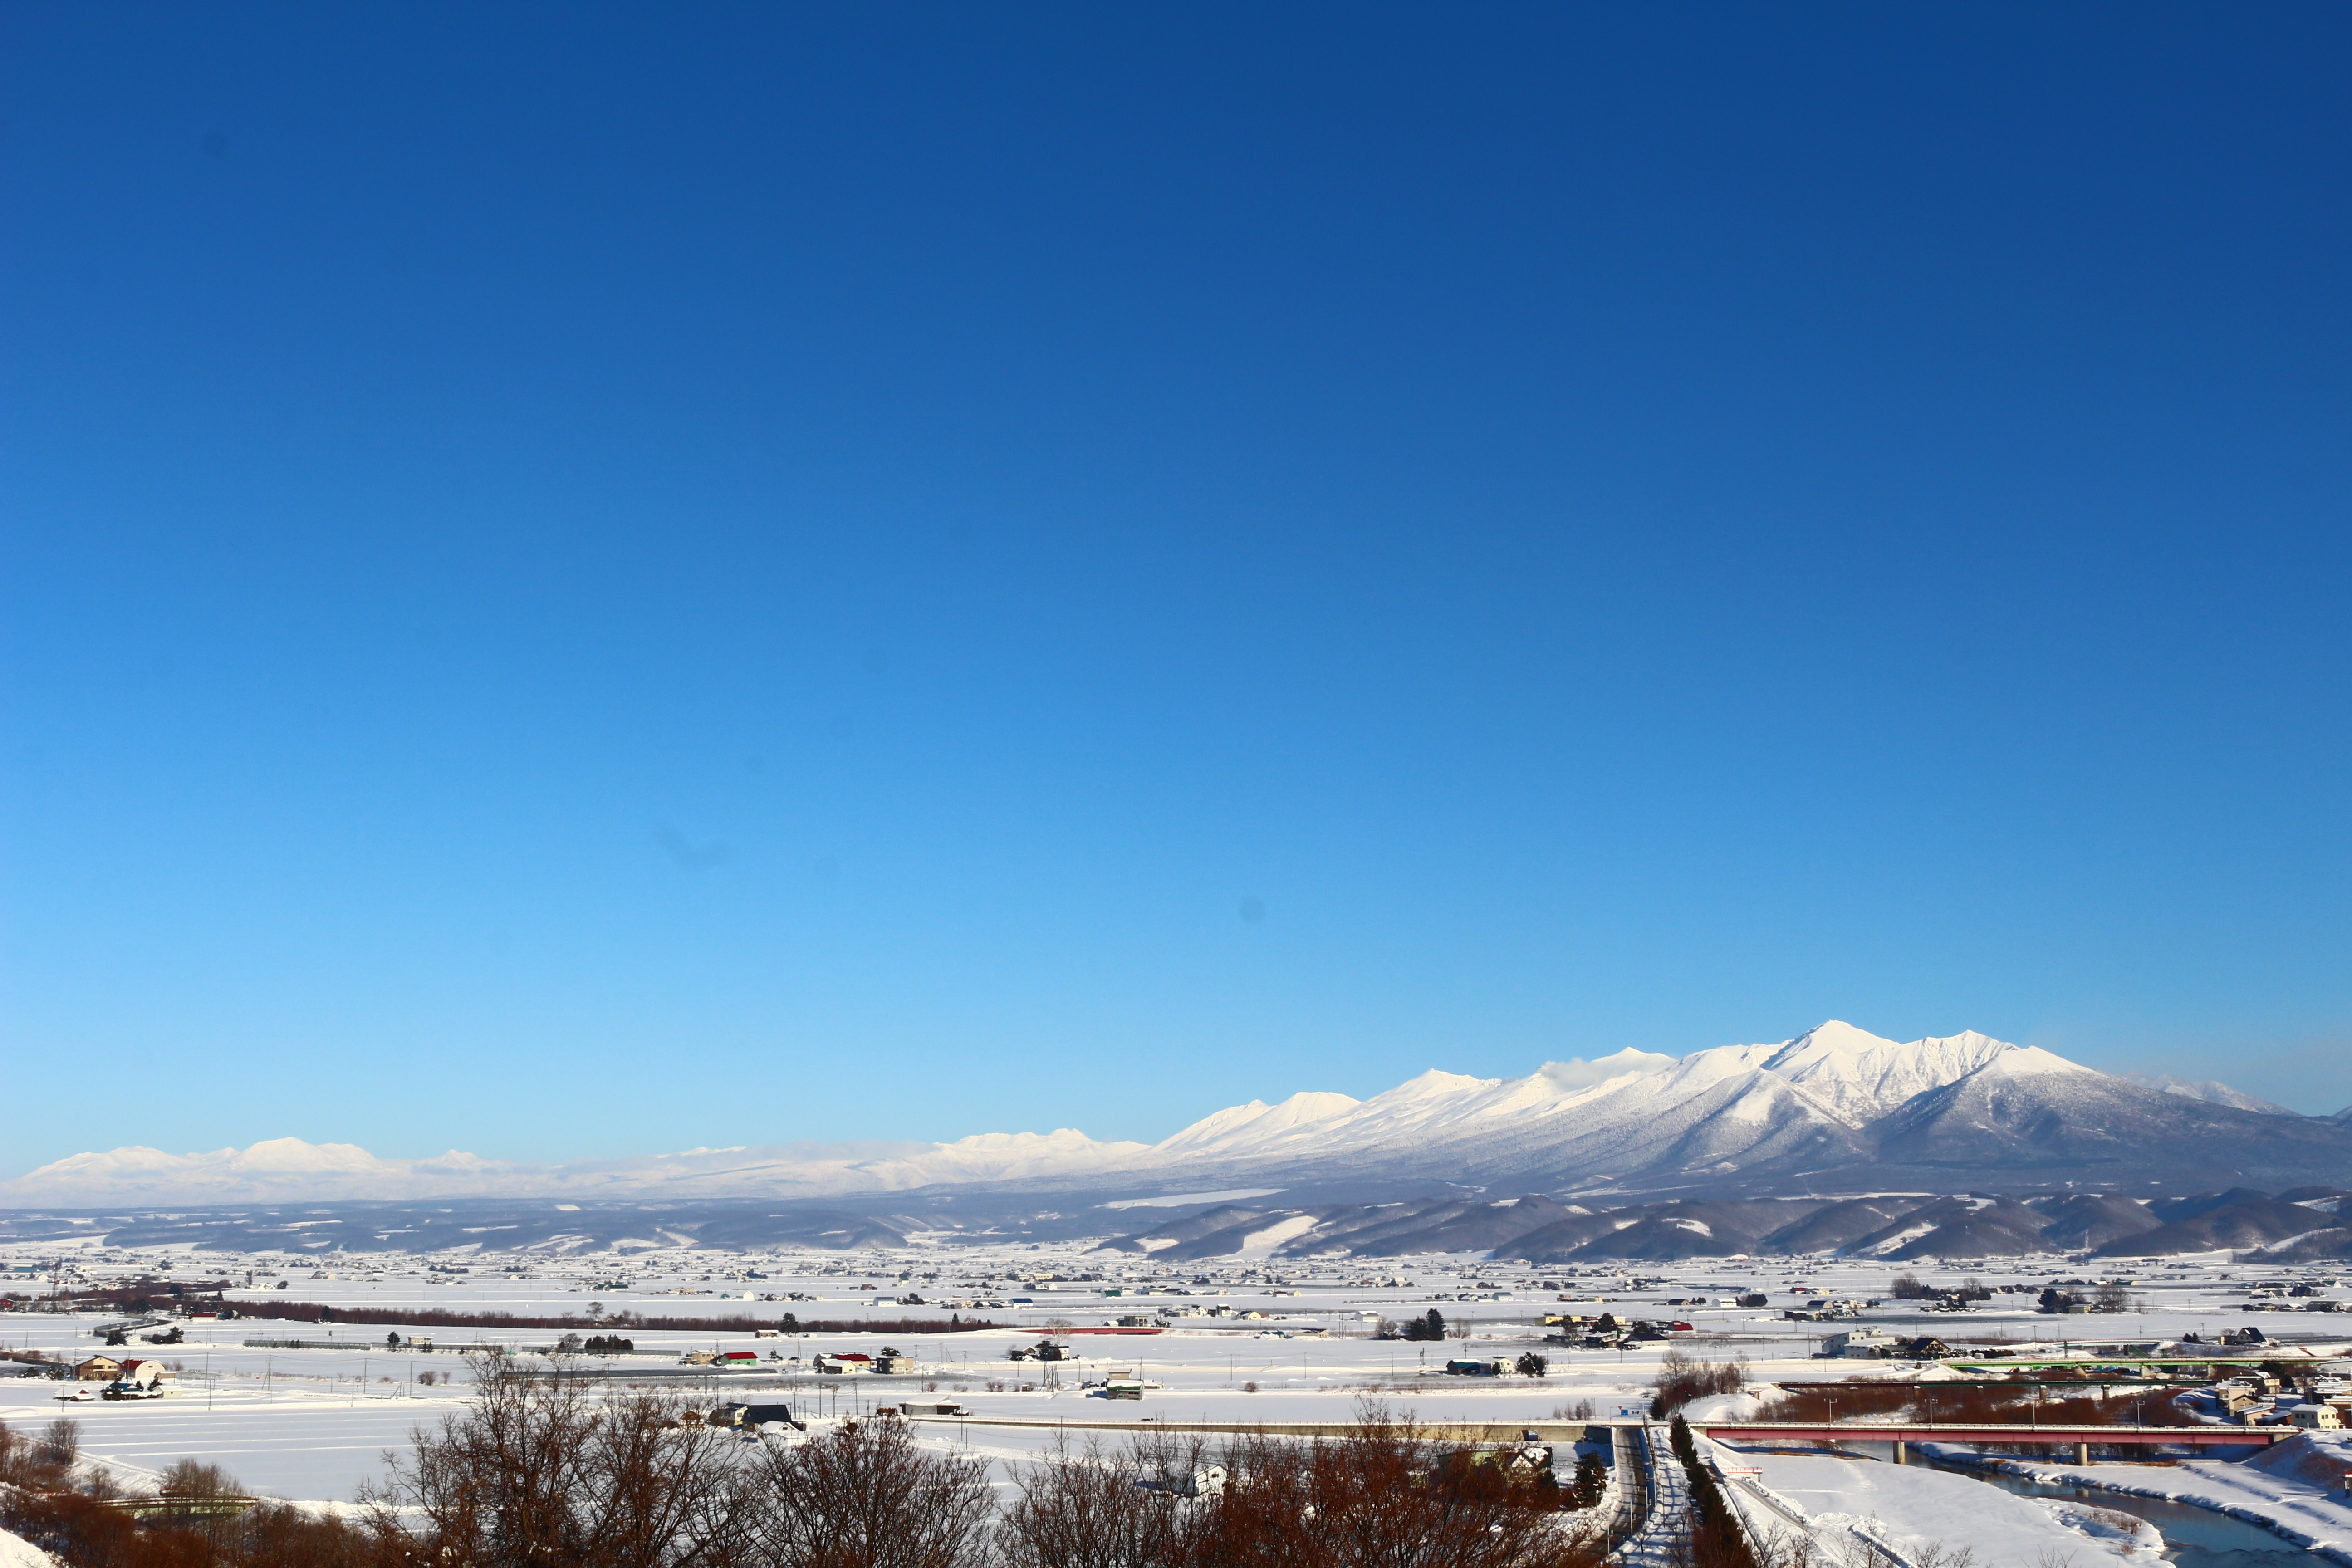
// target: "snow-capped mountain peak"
[[1835, 1097], [1254, 1128], [1865, 1075], [2032, 1061], [1432, 1084], [1829, 1040], [1577, 1075]]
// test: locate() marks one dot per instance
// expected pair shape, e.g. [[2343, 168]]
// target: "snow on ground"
[[1710, 1407], [2295, 1488], [289, 1445], [1911, 1507], [15, 1552], [315, 1424]]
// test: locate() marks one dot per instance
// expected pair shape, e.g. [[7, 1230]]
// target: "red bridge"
[[1902, 1433]]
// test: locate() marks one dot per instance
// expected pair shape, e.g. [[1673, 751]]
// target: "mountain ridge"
[[1834, 1103]]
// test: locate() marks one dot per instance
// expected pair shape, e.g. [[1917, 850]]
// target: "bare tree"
[[60, 1441], [1681, 1379], [1094, 1508], [865, 1496], [1385, 1496], [539, 1470], [203, 1500]]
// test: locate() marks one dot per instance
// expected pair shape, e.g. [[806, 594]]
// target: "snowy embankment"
[[1747, 1405], [2294, 1489], [1907, 1509], [15, 1552]]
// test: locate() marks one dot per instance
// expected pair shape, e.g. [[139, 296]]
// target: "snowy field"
[[1241, 1342], [1912, 1507]]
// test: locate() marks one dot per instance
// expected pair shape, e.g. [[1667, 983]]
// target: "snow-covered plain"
[[1290, 1343]]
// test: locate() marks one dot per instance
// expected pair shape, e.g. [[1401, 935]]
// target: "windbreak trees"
[[1715, 1539]]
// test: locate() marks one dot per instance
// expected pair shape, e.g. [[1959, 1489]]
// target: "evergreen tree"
[[1591, 1480]]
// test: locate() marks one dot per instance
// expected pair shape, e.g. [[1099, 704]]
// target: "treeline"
[[320, 1312], [542, 1473], [1681, 1379], [149, 1295], [1909, 1286], [1715, 1539], [1430, 1326], [2046, 1403]]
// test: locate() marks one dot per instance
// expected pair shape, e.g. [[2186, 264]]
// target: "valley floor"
[[1291, 1344]]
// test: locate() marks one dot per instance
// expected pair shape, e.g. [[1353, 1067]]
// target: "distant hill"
[[1539, 1231]]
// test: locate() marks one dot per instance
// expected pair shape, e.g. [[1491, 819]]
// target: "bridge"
[[2248, 1357], [1902, 1434]]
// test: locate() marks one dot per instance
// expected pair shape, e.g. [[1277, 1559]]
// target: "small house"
[[98, 1369], [2317, 1417], [1482, 1367], [750, 1417]]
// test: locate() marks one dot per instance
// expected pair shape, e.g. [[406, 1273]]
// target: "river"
[[2193, 1537]]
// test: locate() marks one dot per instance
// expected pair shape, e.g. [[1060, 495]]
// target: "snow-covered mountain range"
[[1833, 1103], [288, 1170]]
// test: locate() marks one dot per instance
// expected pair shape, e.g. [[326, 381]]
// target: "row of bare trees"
[[547, 1472], [541, 1472], [1385, 1494]]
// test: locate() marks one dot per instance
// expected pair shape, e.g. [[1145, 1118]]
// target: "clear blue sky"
[[582, 580]]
